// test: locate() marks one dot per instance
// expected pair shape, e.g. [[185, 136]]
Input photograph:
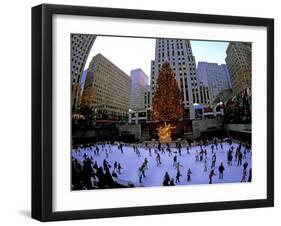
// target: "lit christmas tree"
[[167, 104]]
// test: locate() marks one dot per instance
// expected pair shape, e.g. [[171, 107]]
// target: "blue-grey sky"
[[130, 53], [210, 51]]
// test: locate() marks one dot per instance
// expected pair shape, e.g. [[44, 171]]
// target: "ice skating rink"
[[131, 162]]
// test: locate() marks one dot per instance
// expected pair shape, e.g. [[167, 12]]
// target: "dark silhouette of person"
[[250, 175], [212, 173], [221, 169]]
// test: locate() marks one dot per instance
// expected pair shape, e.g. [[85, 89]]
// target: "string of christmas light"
[[167, 104]]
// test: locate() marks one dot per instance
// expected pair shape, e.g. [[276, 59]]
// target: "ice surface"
[[131, 162]]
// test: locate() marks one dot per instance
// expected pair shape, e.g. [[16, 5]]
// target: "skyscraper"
[[139, 82], [215, 76], [178, 53], [110, 88], [239, 63], [81, 45]]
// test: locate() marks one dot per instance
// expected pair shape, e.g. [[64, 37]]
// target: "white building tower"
[[178, 53]]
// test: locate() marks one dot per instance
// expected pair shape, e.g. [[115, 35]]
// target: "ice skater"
[[159, 146], [143, 168], [201, 154], [115, 165], [121, 148], [248, 147], [138, 151], [158, 159], [214, 159], [169, 151], [205, 165], [205, 153], [97, 150], [212, 173], [145, 162], [119, 167], [179, 148], [162, 150], [134, 147], [175, 160], [244, 174], [178, 165], [229, 157], [221, 169], [196, 156], [149, 150], [166, 181], [178, 177], [245, 165], [189, 175], [140, 175], [106, 165], [250, 175], [216, 143], [109, 148], [172, 183], [240, 156], [187, 149], [244, 154]]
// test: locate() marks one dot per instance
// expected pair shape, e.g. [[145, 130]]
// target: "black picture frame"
[[42, 111]]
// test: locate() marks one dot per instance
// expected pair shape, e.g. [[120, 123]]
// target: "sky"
[[210, 51], [132, 53]]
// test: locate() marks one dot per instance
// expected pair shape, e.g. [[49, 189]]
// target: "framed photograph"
[[145, 112]]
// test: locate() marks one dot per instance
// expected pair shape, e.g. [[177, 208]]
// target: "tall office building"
[[110, 88], [81, 45], [178, 53], [215, 76], [139, 82], [239, 64]]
